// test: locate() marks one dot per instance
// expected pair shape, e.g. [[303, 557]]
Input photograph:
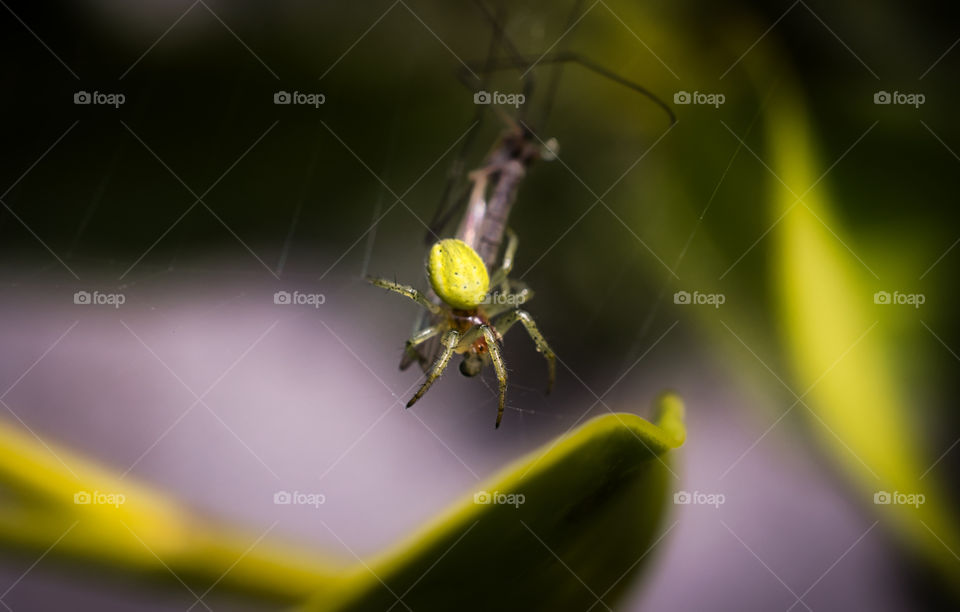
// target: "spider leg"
[[450, 341], [505, 321], [512, 300], [498, 367], [406, 291], [500, 276], [422, 336]]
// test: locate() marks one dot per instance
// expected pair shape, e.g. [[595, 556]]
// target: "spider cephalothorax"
[[471, 322]]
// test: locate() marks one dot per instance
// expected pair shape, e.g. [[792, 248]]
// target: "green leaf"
[[864, 408], [593, 504], [146, 535]]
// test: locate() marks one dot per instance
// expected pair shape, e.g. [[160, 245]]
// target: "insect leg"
[[500, 276]]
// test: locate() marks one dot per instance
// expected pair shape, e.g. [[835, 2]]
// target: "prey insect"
[[459, 315]]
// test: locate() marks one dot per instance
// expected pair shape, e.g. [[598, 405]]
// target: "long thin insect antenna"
[[514, 56], [576, 58], [557, 69]]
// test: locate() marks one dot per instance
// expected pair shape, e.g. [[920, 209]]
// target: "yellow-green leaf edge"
[[615, 450]]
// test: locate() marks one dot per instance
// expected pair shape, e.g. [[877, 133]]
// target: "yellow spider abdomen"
[[457, 274]]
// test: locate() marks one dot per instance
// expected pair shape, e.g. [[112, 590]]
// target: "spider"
[[472, 318]]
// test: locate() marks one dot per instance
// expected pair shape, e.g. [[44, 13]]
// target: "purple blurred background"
[[308, 399]]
